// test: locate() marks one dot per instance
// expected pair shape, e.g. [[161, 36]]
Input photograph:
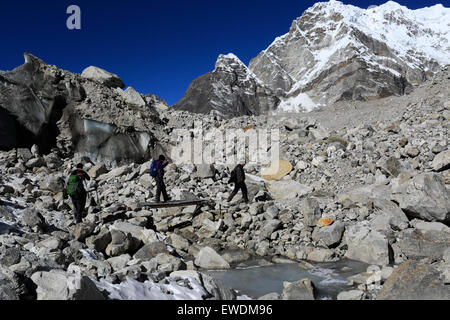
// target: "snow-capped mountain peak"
[[336, 52]]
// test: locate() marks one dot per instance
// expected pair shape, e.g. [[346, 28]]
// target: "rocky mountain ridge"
[[336, 52], [230, 90]]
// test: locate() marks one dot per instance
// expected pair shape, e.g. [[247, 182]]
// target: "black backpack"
[[233, 177]]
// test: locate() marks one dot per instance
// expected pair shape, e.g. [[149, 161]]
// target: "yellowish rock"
[[277, 170]]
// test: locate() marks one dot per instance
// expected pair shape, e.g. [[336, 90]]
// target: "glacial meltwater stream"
[[254, 281]]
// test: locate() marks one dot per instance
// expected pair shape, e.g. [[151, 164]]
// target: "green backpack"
[[74, 185]]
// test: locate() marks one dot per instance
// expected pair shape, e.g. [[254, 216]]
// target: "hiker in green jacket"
[[77, 192]]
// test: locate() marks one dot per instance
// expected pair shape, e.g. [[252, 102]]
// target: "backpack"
[[233, 177], [74, 186], [153, 171]]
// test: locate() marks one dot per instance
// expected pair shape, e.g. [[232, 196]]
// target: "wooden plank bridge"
[[171, 204]]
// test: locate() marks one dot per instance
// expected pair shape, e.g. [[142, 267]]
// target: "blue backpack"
[[153, 171]]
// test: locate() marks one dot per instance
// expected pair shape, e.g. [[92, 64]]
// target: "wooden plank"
[[171, 204]]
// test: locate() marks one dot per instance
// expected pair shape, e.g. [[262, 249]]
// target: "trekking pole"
[[96, 194]]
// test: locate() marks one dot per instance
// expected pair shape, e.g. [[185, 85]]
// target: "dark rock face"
[[31, 102], [44, 105], [231, 90]]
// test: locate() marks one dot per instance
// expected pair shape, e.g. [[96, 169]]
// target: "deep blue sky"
[[156, 47]]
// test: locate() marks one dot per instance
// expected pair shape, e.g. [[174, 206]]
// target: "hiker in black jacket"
[[161, 163], [238, 177], [79, 199]]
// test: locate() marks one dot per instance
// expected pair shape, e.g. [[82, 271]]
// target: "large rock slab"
[[392, 212], [418, 244], [366, 245], [208, 258], [277, 170], [365, 194], [424, 196], [413, 280], [287, 189], [58, 285]]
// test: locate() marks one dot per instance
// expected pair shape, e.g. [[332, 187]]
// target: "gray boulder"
[[9, 256], [83, 230], [100, 241], [121, 243], [53, 183], [102, 76], [151, 250], [287, 189], [33, 218], [97, 170], [119, 262], [132, 97], [418, 244], [269, 227], [58, 285], [393, 167], [217, 289], [330, 235], [413, 280], [208, 258], [235, 256], [441, 161], [178, 242], [363, 195], [424, 196], [299, 290], [394, 215], [366, 245]]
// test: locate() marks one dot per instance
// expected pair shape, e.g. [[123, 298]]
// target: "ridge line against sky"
[[154, 47]]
